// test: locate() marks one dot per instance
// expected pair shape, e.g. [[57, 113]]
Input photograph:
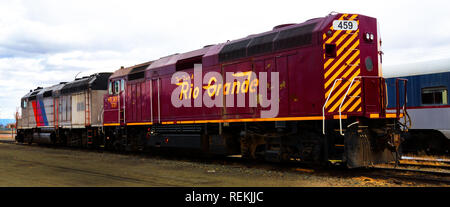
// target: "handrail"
[[340, 106], [323, 108], [118, 108], [397, 107], [343, 100]]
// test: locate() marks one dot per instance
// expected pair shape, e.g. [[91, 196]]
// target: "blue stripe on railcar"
[[414, 87], [43, 114]]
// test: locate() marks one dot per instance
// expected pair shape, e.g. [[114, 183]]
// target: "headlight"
[[372, 37]]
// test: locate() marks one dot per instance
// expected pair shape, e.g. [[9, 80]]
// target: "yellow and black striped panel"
[[346, 66]]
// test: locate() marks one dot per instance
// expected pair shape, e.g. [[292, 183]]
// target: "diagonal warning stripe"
[[353, 96], [330, 80], [349, 40], [341, 38], [338, 103], [351, 49], [350, 71], [336, 85], [336, 33], [351, 100], [346, 63], [341, 90], [358, 102]]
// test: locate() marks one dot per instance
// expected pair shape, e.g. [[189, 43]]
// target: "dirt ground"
[[24, 165], [7, 136]]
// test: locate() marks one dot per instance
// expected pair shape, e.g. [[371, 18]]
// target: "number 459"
[[345, 25]]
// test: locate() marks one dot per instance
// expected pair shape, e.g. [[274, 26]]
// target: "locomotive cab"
[[356, 91]]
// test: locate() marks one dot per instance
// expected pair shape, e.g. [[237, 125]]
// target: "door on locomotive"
[[114, 103]]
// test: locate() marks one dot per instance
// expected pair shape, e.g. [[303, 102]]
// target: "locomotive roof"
[[130, 70], [40, 91], [121, 72], [277, 39], [51, 89], [173, 59], [32, 93], [98, 81], [420, 68]]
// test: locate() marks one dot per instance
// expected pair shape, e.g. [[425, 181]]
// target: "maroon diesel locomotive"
[[310, 92], [331, 97]]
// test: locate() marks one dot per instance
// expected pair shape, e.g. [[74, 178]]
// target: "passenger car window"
[[434, 96]]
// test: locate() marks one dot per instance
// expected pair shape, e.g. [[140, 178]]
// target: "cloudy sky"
[[43, 42]]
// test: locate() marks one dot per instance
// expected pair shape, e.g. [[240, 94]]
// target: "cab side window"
[[110, 89], [24, 104], [116, 87]]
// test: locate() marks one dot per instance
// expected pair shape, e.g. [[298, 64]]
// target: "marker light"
[[367, 36]]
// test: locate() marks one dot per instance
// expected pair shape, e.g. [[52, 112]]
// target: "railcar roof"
[[418, 68]]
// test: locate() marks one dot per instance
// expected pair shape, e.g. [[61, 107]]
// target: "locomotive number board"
[[345, 25]]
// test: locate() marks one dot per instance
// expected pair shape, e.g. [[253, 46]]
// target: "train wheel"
[[245, 147], [252, 146]]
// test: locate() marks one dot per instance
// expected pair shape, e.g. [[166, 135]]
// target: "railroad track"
[[421, 162], [426, 159], [444, 167], [413, 174], [403, 172], [7, 141]]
